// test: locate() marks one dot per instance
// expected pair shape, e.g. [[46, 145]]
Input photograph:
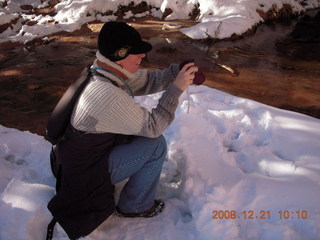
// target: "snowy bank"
[[236, 169], [26, 20]]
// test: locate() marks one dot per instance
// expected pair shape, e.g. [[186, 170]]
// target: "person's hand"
[[185, 76], [199, 78]]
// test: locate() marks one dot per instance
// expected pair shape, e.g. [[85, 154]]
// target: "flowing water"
[[278, 65]]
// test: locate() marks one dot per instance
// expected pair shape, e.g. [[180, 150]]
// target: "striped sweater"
[[104, 107]]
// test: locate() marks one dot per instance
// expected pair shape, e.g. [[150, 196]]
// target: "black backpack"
[[60, 117], [57, 127]]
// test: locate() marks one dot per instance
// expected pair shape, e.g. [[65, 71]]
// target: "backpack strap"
[[50, 229], [60, 117], [113, 82]]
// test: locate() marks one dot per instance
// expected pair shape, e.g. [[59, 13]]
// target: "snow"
[[226, 154], [217, 19]]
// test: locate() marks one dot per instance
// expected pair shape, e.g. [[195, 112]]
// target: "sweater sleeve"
[[152, 81], [127, 117]]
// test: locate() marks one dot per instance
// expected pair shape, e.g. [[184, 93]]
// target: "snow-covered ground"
[[229, 158], [217, 18], [236, 169]]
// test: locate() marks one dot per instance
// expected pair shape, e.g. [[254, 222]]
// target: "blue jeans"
[[141, 161]]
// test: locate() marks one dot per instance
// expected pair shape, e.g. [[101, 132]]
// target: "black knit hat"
[[117, 40]]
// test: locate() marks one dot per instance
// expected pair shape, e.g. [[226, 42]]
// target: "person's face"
[[132, 62]]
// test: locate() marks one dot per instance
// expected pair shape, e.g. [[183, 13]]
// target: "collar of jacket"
[[111, 69]]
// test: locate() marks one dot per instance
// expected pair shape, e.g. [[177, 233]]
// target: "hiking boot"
[[155, 210]]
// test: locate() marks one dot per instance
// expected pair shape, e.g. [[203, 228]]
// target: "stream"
[[278, 65]]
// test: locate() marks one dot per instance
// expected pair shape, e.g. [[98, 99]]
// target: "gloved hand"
[[199, 77]]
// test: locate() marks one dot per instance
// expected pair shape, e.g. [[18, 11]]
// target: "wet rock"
[[26, 7]]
